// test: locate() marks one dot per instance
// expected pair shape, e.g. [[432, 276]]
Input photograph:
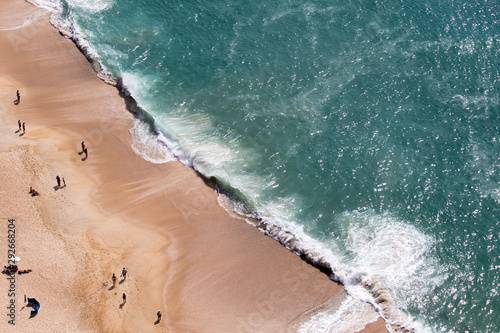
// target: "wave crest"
[[387, 259]]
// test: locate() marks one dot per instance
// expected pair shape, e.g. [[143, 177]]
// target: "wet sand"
[[205, 269]]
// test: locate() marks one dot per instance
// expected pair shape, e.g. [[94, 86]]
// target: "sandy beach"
[[206, 270]]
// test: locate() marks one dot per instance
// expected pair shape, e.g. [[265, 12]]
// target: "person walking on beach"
[[18, 97], [158, 314], [114, 279], [86, 153], [124, 273], [124, 298], [83, 146], [64, 182], [24, 128], [58, 181], [19, 124]]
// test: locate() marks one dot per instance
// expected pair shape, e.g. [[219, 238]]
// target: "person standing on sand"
[[124, 273], [24, 128], [18, 97], [114, 279], [86, 153], [124, 298], [64, 182], [19, 124], [159, 315], [58, 181]]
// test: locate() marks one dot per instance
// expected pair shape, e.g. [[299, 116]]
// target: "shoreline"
[[160, 221]]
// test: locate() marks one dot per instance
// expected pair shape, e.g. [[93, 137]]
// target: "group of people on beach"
[[124, 296], [12, 269], [124, 275], [114, 279], [21, 127], [35, 193], [58, 179]]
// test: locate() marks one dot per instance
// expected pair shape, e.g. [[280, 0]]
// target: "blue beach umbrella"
[[35, 305]]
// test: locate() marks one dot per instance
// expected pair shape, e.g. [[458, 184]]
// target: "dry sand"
[[206, 270]]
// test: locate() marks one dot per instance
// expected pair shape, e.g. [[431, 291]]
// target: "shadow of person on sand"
[[16, 102], [157, 321], [83, 159], [21, 134], [111, 288], [56, 188], [121, 305]]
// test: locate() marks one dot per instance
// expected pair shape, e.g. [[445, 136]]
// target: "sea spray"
[[393, 252], [151, 147], [339, 318]]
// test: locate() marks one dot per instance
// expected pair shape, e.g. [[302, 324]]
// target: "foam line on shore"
[[27, 21]]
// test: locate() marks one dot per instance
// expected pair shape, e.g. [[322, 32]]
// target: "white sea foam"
[[383, 246], [484, 165], [136, 84], [91, 6], [149, 145], [351, 316], [204, 152], [386, 263], [53, 6], [482, 102], [211, 157], [69, 29], [389, 262]]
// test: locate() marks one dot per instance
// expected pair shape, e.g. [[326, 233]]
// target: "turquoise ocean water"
[[363, 134]]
